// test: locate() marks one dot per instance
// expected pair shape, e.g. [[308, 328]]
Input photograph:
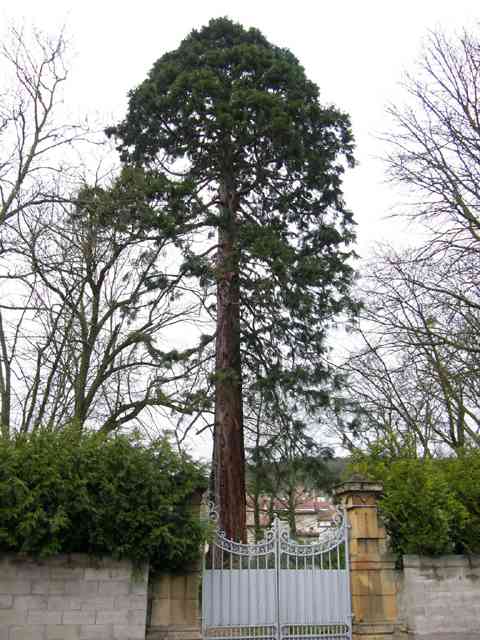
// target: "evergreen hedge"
[[68, 491], [430, 506]]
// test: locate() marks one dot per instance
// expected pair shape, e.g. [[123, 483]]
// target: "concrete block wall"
[[439, 598], [71, 597]]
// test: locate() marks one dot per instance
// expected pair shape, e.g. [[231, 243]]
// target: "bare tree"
[[82, 327], [35, 134], [415, 377], [85, 308], [435, 141]]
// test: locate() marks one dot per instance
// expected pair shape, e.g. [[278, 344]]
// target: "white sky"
[[355, 50]]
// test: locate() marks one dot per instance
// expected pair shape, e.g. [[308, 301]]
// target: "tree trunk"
[[257, 525], [5, 384], [229, 453], [292, 508]]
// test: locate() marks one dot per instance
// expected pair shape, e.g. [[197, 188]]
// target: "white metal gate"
[[278, 589]]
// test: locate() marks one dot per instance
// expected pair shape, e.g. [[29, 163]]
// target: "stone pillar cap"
[[358, 484]]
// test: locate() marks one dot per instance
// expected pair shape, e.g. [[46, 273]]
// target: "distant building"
[[312, 513]]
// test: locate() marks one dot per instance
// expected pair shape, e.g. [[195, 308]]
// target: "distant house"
[[312, 513]]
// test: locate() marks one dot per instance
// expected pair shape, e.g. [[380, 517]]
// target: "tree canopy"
[[249, 163]]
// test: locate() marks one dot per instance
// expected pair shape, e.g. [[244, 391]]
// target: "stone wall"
[[439, 598], [71, 597], [174, 604]]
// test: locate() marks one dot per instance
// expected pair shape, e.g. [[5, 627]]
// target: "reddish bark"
[[229, 453]]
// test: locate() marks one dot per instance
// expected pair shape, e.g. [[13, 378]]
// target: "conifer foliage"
[[250, 164]]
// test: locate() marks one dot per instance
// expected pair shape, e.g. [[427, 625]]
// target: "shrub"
[[463, 476], [68, 491], [421, 511], [429, 506]]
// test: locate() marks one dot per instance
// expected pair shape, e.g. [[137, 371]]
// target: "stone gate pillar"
[[174, 606], [372, 567]]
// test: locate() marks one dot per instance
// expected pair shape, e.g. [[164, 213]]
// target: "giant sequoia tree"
[[248, 165]]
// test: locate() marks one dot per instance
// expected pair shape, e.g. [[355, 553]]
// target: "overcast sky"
[[355, 50]]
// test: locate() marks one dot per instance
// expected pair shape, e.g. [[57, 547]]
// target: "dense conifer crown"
[[229, 115]]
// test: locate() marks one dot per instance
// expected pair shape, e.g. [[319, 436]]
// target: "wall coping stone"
[[77, 560], [423, 562]]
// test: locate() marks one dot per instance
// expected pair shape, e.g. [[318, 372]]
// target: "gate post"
[[174, 609], [372, 567], [174, 612]]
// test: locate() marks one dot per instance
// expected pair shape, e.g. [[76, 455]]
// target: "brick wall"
[[71, 597], [439, 598]]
